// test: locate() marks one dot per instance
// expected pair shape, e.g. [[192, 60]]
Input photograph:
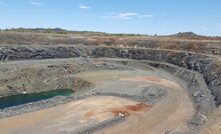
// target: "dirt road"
[[171, 113]]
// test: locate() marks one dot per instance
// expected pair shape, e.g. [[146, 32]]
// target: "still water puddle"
[[32, 97]]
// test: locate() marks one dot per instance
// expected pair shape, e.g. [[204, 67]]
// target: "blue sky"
[[115, 16]]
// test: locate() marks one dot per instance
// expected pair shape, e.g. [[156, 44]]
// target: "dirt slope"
[[171, 113]]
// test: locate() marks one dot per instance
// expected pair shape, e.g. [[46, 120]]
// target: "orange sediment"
[[128, 109], [150, 78], [125, 110]]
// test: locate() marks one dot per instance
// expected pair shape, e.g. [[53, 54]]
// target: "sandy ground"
[[213, 125], [70, 116], [170, 114]]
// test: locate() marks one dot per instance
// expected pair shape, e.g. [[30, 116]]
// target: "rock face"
[[205, 65], [198, 74], [201, 73]]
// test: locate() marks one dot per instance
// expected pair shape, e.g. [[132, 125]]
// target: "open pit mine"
[[109, 84]]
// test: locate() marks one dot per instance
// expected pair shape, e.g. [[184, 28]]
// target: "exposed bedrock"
[[196, 87], [47, 75], [206, 65], [201, 96], [193, 83]]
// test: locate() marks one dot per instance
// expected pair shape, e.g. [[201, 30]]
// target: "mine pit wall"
[[206, 65], [196, 87], [42, 52], [76, 84]]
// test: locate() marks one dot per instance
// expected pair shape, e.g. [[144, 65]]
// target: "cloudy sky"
[[115, 16]]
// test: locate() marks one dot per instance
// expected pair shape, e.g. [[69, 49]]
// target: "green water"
[[32, 97]]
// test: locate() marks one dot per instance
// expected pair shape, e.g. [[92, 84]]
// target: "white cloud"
[[145, 16], [35, 3], [128, 15], [84, 7]]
